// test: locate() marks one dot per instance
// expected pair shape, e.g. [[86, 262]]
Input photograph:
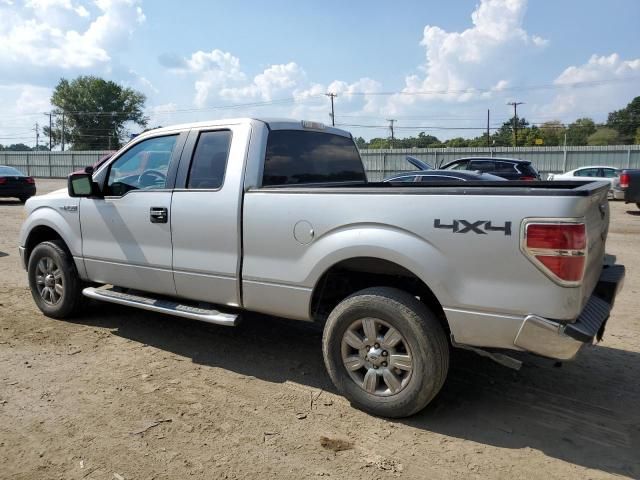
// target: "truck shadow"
[[585, 413]]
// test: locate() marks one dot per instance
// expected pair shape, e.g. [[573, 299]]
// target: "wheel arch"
[[40, 228], [350, 275]]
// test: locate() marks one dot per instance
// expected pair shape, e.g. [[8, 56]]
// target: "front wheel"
[[54, 281], [386, 352]]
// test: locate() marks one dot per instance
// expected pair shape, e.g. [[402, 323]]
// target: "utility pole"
[[50, 131], [488, 135], [333, 113], [515, 121], [62, 131], [391, 122], [37, 130]]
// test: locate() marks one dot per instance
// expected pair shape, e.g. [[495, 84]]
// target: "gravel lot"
[[121, 393]]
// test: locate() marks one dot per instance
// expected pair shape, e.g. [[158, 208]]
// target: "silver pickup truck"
[[208, 220]]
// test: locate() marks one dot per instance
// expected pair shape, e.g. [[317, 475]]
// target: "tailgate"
[[596, 217]]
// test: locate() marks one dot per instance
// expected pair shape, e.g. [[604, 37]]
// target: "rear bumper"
[[616, 194], [562, 341], [26, 190]]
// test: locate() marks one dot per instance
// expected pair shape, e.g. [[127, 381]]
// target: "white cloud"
[[601, 84], [22, 107], [60, 35], [484, 54]]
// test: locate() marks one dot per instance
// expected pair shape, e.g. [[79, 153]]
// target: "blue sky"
[[434, 66]]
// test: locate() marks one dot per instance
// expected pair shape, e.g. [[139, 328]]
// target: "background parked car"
[[609, 174], [444, 176], [14, 183], [426, 173], [507, 168]]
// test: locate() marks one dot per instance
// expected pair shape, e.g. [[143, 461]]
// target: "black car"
[[508, 168], [443, 176], [426, 173], [14, 183]]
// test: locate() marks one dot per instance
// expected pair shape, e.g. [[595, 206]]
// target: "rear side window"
[[10, 171], [528, 170], [296, 157], [209, 161], [482, 165], [504, 167], [610, 172]]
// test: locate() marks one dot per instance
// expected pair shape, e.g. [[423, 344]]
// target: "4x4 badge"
[[480, 227]]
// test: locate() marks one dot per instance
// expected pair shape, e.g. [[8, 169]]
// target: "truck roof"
[[272, 122]]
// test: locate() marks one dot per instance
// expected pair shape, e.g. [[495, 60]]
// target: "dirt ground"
[[120, 393]]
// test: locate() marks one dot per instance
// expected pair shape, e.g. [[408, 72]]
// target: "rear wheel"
[[386, 352], [54, 281]]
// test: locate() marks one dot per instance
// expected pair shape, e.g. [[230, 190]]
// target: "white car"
[[610, 174]]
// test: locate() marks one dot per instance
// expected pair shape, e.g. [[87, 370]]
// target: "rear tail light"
[[558, 250], [30, 180], [528, 178], [3, 180], [624, 180]]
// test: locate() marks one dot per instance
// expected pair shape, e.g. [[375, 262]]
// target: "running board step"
[[162, 306]]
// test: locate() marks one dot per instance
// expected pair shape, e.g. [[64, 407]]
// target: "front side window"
[[296, 157], [610, 172], [459, 166], [209, 160], [143, 167]]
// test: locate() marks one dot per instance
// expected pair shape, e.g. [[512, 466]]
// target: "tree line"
[[622, 128]]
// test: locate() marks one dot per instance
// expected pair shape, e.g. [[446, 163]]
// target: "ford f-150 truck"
[[208, 220]]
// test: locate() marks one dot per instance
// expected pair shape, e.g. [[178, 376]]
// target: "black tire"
[[638, 205], [23, 199], [424, 338], [71, 299]]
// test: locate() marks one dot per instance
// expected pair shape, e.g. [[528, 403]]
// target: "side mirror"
[[81, 185]]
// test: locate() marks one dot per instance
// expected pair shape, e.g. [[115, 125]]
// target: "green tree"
[[578, 132], [552, 133], [379, 143], [636, 139], [457, 142], [96, 113], [604, 136], [17, 147], [361, 142], [504, 136], [626, 121]]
